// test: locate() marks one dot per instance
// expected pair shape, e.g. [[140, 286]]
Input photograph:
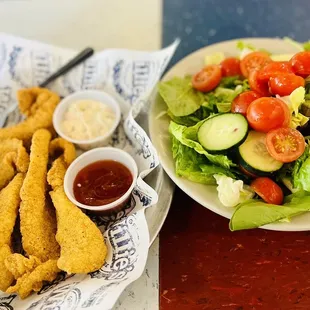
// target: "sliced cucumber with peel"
[[223, 131], [254, 155]]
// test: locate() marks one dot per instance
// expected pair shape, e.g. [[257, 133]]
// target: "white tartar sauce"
[[87, 119]]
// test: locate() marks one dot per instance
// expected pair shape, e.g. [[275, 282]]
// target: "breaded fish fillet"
[[13, 157], [18, 264], [66, 148], [9, 205], [6, 278], [37, 221], [38, 104], [33, 281], [82, 245], [7, 169], [16, 146]]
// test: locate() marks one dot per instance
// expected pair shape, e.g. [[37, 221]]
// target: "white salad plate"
[[206, 195]]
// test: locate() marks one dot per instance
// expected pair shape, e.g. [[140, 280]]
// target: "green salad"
[[241, 124]]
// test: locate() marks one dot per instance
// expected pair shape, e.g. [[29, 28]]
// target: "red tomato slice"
[[259, 86], [207, 79], [285, 84], [301, 63], [253, 61], [274, 69], [242, 101], [268, 190], [230, 67], [267, 113], [285, 144]]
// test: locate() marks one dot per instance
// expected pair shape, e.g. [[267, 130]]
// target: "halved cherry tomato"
[[285, 84], [242, 101], [267, 113], [274, 69], [285, 144], [301, 63], [208, 78], [253, 61], [268, 190], [230, 67], [259, 86]]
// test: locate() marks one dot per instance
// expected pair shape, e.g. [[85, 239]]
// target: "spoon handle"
[[83, 55]]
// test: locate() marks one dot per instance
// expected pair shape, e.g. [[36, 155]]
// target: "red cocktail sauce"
[[101, 183]]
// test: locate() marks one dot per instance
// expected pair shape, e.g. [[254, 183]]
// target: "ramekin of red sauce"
[[101, 180]]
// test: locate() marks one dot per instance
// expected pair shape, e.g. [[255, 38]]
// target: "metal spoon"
[[82, 56]]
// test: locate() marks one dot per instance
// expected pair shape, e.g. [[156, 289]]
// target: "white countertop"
[[133, 24]]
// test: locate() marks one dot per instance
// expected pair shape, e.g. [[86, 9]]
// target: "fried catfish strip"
[[18, 264], [15, 145], [65, 147], [13, 156], [34, 281], [82, 245], [38, 104], [7, 169], [9, 205], [37, 220], [6, 277]]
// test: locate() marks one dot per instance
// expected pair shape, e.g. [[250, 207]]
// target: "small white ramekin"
[[97, 95], [103, 153]]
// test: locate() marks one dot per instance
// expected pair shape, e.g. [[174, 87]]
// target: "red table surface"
[[203, 265]]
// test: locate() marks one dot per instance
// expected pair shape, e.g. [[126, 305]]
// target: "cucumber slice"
[[254, 156], [223, 131]]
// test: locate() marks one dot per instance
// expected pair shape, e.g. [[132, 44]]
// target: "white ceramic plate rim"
[[159, 133]]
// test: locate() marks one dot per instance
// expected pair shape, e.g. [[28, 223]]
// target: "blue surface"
[[202, 22]]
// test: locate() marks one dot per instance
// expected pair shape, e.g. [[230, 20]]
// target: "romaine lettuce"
[[233, 81], [301, 172], [192, 119], [256, 213], [225, 96], [193, 166], [188, 137], [294, 102], [181, 98]]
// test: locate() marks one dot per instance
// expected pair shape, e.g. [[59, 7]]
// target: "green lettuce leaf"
[[181, 98], [221, 98], [225, 96], [256, 213], [294, 101], [301, 171], [207, 108], [188, 137], [306, 45], [193, 166], [233, 81], [298, 121], [188, 120]]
